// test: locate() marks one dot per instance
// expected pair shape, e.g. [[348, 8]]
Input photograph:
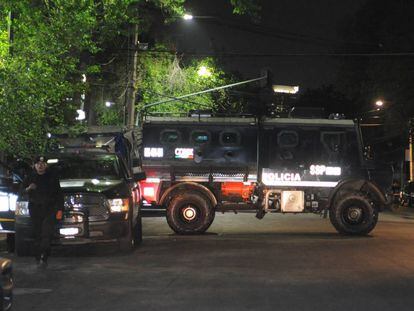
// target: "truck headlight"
[[22, 208], [118, 205]]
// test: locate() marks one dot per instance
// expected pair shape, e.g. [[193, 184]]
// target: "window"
[[287, 139], [229, 138], [84, 167], [334, 146], [200, 137], [170, 136], [333, 141]]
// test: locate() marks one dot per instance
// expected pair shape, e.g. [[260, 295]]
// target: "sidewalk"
[[399, 213]]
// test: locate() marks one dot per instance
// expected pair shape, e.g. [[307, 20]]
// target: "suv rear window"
[[81, 167]]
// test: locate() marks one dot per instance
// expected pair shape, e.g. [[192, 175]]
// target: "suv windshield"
[[86, 167]]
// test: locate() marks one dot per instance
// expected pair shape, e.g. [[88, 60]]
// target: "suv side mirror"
[[140, 176]]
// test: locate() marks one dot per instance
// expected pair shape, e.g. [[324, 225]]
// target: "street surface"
[[283, 262]]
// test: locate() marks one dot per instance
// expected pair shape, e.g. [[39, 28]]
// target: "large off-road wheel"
[[190, 213], [353, 214], [21, 246]]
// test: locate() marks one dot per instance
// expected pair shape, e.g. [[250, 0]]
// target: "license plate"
[[69, 231]]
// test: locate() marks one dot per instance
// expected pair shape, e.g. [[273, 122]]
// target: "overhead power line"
[[264, 55], [288, 35]]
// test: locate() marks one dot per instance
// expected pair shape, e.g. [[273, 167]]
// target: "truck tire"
[[127, 243], [190, 213], [21, 246], [353, 214]]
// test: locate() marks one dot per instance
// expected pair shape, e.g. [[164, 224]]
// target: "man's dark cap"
[[40, 158]]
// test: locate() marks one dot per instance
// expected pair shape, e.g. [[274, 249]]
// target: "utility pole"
[[132, 78]]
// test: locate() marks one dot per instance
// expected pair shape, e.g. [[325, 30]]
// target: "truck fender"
[[360, 185], [188, 186]]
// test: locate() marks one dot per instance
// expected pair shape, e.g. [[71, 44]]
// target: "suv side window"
[[124, 171]]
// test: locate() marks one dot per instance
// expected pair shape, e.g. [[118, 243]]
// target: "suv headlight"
[[22, 208], [118, 205], [7, 201]]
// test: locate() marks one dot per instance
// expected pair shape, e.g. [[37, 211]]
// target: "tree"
[[57, 43]]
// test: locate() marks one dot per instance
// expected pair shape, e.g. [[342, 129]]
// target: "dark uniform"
[[44, 202]]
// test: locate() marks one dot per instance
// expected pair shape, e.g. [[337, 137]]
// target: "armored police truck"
[[199, 165]]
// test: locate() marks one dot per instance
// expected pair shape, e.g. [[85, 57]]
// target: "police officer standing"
[[45, 206]]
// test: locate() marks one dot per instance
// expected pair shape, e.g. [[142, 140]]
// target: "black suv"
[[102, 202]]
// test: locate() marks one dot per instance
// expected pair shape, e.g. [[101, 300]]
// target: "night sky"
[[286, 27]]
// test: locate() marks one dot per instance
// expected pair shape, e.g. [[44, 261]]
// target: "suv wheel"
[[22, 247], [353, 214], [127, 243], [138, 230], [190, 213]]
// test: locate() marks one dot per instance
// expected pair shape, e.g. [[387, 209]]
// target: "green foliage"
[[164, 77], [113, 115], [55, 43], [245, 7]]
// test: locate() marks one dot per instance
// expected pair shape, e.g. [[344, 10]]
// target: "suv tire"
[[190, 213], [127, 243], [353, 214], [138, 230]]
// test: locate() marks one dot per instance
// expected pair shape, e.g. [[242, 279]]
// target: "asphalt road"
[[283, 262]]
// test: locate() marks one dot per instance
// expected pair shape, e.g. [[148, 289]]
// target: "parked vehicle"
[[198, 165], [99, 172], [102, 202], [6, 284], [407, 195], [9, 188]]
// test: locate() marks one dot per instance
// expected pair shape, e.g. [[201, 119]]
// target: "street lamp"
[[379, 103], [203, 71], [187, 17], [285, 89]]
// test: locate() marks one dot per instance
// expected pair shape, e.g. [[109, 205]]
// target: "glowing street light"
[[379, 103], [203, 71], [108, 104], [81, 115], [188, 17], [285, 89]]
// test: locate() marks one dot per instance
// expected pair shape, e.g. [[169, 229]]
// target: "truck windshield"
[[87, 167]]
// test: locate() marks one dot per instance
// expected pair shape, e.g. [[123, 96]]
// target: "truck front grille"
[[92, 204]]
